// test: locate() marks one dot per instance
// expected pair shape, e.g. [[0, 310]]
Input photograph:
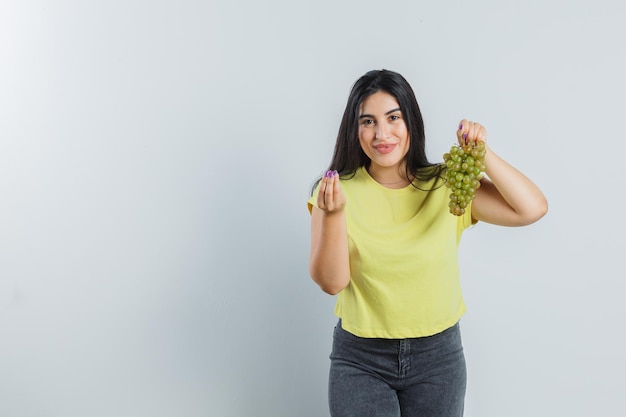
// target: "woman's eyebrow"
[[386, 114]]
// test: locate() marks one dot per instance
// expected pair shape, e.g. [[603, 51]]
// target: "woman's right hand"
[[330, 197], [330, 259]]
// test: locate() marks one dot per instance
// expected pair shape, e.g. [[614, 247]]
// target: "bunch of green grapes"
[[466, 165]]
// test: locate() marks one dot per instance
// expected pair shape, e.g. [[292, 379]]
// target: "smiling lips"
[[385, 148]]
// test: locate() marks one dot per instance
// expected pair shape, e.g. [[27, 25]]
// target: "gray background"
[[155, 160]]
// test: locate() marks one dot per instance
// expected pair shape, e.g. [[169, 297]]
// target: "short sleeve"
[[313, 200], [466, 218]]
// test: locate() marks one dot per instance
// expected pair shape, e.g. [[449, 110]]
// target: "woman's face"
[[383, 134]]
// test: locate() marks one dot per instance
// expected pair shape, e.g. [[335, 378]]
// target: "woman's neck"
[[392, 177]]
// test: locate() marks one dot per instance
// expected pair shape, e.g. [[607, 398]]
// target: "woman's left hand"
[[506, 196], [469, 132]]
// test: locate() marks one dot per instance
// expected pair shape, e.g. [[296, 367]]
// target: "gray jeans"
[[423, 377]]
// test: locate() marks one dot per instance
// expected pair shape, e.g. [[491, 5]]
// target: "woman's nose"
[[382, 131]]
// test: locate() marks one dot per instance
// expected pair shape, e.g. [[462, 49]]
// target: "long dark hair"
[[348, 155]]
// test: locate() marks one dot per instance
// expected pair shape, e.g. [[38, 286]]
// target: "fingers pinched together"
[[331, 198], [470, 132]]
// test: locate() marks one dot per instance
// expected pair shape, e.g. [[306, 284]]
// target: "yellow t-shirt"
[[403, 259]]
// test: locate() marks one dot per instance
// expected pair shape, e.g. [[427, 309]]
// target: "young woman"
[[384, 240]]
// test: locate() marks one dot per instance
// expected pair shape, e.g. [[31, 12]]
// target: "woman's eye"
[[368, 122], [394, 117]]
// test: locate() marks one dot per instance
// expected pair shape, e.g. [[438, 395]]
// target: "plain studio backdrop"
[[155, 161]]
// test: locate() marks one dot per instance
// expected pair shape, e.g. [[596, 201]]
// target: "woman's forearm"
[[516, 189], [329, 262]]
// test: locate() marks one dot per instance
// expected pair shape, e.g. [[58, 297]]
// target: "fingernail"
[[461, 126], [464, 135], [328, 174], [335, 173]]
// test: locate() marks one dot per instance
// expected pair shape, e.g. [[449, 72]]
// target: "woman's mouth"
[[385, 148]]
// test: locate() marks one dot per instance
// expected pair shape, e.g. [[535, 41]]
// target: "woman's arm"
[[329, 263], [506, 197]]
